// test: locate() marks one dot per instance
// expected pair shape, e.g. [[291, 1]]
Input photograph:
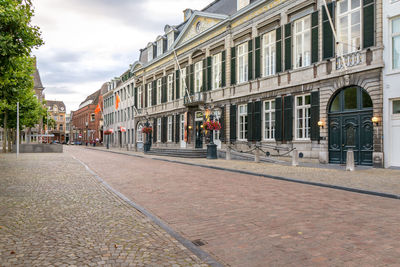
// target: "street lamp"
[[147, 144], [211, 147]]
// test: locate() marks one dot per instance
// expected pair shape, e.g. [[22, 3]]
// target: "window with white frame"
[[269, 119], [182, 128], [182, 82], [150, 53], [242, 122], [139, 100], [140, 134], [169, 131], [159, 47], [149, 94], [395, 27], [242, 59], [349, 26], [159, 91], [159, 130], [302, 42], [268, 53], [242, 3], [170, 87], [302, 116], [198, 76], [216, 70], [170, 39]]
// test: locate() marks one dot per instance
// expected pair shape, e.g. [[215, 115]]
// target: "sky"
[[89, 42]]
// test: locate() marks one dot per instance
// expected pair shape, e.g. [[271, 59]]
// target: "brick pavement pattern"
[[54, 213], [253, 221]]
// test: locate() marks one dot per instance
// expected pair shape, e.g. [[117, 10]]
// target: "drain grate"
[[199, 242]]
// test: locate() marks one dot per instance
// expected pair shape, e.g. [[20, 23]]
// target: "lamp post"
[[211, 147], [147, 144]]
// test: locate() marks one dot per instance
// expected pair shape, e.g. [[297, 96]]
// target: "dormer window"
[[170, 39], [159, 47], [150, 53], [242, 3]]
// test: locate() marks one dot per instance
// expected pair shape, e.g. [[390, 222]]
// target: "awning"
[[109, 131]]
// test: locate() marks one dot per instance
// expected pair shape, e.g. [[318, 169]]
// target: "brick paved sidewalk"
[[378, 180], [54, 212]]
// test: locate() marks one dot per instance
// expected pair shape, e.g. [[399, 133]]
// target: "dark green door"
[[199, 135], [350, 126]]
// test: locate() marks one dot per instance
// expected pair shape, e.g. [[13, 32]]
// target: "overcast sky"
[[88, 42]]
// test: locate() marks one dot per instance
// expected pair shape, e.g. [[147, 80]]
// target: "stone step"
[[184, 153]]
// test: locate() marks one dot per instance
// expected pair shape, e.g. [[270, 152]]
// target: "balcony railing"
[[195, 99], [350, 60]]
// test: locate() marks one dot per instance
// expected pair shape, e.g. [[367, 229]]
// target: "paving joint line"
[[204, 256], [280, 178]]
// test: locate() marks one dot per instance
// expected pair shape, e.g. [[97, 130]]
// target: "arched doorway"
[[350, 126]]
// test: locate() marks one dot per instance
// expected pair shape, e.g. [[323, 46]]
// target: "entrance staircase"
[[181, 153]]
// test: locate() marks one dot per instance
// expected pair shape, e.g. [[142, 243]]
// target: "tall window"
[[349, 26], [216, 70], [243, 63], [170, 87], [182, 82], [268, 53], [92, 117], [170, 39], [139, 100], [269, 119], [159, 47], [140, 134], [159, 130], [396, 43], [169, 129], [302, 42], [198, 76], [149, 94], [159, 91], [149, 53], [302, 121], [242, 122], [182, 128]]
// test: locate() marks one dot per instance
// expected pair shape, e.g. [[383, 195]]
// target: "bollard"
[[350, 160], [228, 153], [257, 155], [295, 158]]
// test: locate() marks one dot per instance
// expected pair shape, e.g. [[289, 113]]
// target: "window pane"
[[350, 98], [299, 101], [343, 6], [273, 104], [396, 107], [396, 25], [267, 105], [366, 100], [307, 100], [396, 52]]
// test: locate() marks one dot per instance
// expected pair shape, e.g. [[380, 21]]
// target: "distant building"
[[57, 112], [67, 128]]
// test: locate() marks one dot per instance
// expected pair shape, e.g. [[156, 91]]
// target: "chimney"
[[187, 13]]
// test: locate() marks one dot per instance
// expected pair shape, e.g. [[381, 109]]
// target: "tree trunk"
[[10, 140], [5, 133]]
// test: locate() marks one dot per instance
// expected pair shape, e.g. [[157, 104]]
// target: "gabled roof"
[[94, 98], [60, 104]]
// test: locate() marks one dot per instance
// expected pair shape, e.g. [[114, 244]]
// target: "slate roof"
[[60, 104], [94, 97], [226, 7], [36, 80]]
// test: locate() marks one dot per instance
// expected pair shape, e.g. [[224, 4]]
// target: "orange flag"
[[117, 100], [97, 110]]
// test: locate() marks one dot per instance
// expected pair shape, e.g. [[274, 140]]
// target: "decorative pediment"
[[135, 66], [197, 24]]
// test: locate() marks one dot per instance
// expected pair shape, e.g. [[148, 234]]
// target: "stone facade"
[[57, 111]]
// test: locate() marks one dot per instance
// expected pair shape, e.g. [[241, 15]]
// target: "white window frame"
[[303, 57], [216, 71], [182, 82], [158, 129], [149, 93], [305, 119], [243, 62], [150, 53], [170, 87], [182, 127], [169, 129], [160, 47], [348, 45], [243, 122], [139, 100], [139, 134], [198, 76], [269, 132], [159, 91], [392, 37], [268, 53]]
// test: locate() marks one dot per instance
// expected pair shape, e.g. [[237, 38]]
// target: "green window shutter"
[[173, 91], [250, 60], [154, 92], [204, 82], [164, 126], [250, 121], [257, 121], [155, 130], [368, 23], [314, 116], [222, 121], [223, 71], [164, 89], [278, 50], [257, 73], [288, 46], [314, 37], [233, 65], [172, 129], [232, 123], [288, 118], [278, 119], [328, 41], [191, 67], [145, 96], [135, 98], [209, 73], [177, 87], [177, 129]]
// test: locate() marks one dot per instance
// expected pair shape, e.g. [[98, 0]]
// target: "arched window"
[[350, 99], [139, 133]]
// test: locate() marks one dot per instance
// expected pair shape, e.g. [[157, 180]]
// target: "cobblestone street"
[[54, 212]]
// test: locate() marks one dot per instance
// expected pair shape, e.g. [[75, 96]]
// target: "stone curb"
[[204, 256], [337, 187]]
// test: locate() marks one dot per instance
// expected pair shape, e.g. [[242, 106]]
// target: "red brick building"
[[86, 125]]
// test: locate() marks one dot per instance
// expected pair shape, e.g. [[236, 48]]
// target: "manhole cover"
[[199, 242]]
